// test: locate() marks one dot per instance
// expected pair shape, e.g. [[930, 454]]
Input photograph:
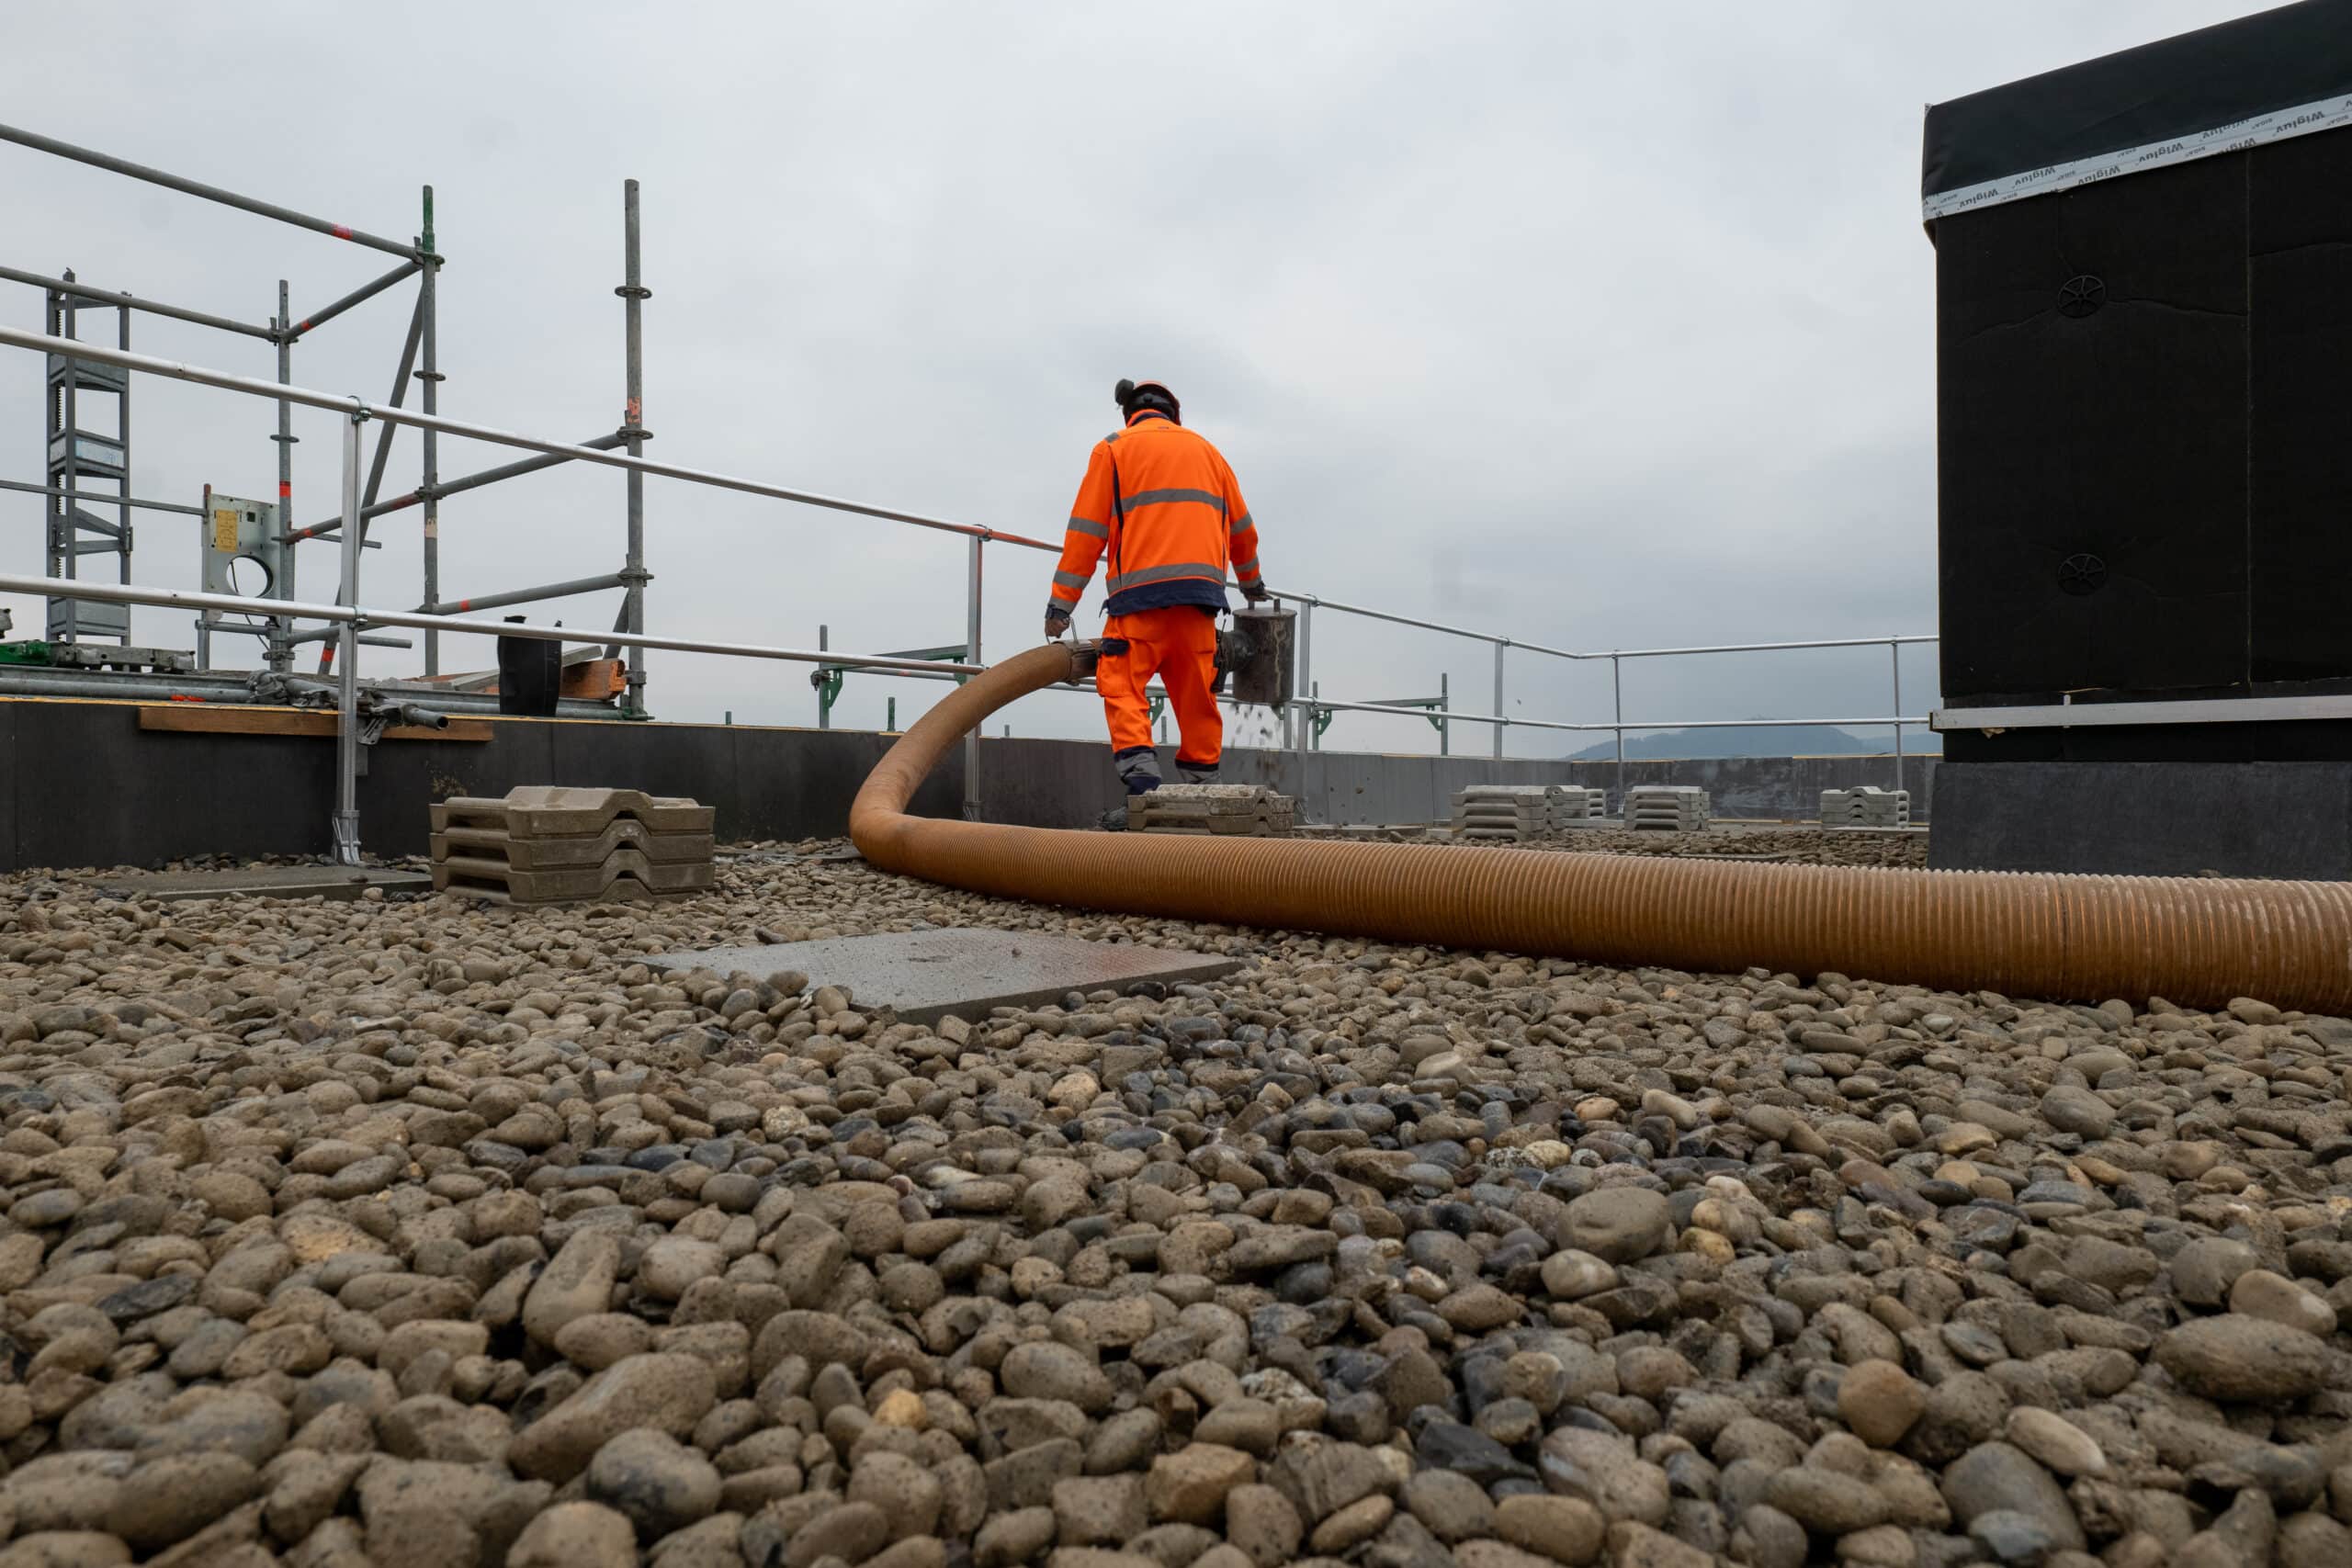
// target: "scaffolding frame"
[[419, 259]]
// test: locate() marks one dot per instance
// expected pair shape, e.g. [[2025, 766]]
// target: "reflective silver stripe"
[[1154, 497], [1169, 573], [1247, 573], [1070, 580], [2293, 119], [1241, 521], [1092, 530]]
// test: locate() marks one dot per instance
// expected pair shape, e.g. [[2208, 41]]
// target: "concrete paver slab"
[[548, 811], [925, 976], [583, 849], [261, 882], [624, 874]]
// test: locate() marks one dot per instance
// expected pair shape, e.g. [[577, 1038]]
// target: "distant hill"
[[1756, 740]]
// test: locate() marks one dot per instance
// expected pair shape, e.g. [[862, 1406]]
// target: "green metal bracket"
[[24, 653], [1436, 707], [1438, 718], [1158, 706], [828, 679]]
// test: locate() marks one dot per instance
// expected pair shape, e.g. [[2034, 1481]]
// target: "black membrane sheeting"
[[2142, 97], [2145, 479]]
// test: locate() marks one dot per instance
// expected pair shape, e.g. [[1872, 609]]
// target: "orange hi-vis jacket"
[[1163, 505]]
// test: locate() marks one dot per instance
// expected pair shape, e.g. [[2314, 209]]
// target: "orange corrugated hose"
[[2200, 941]]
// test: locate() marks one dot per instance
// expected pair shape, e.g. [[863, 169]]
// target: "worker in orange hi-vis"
[[1163, 505]]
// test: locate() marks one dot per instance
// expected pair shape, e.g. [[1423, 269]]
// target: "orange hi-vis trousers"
[[1178, 643]]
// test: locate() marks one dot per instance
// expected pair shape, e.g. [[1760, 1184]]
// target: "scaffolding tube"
[[100, 297], [401, 376], [328, 529], [230, 603], [57, 493], [226, 691], [428, 375], [40, 144], [633, 294], [345, 404], [527, 595], [359, 295], [383, 450], [329, 634]]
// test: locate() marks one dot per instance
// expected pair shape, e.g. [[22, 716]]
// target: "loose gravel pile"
[[421, 1234]]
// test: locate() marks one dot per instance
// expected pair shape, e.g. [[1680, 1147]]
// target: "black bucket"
[[530, 674]]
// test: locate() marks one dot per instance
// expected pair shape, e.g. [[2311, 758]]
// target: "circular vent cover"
[[2081, 574], [2081, 296]]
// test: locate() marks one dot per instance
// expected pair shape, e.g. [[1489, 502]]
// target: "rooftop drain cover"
[[925, 976]]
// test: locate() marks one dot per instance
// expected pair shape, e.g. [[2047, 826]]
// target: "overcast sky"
[[1600, 326]]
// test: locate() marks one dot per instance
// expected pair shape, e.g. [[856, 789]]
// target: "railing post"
[[346, 739], [1303, 680], [1894, 659], [428, 393], [276, 652], [634, 294], [1500, 643], [1444, 724], [1617, 716], [972, 656], [824, 697]]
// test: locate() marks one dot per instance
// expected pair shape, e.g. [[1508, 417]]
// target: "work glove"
[[1056, 622], [1255, 592]]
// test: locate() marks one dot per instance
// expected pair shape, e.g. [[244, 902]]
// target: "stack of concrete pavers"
[[548, 845], [1249, 811], [1507, 813], [1574, 804], [1869, 807], [1676, 809]]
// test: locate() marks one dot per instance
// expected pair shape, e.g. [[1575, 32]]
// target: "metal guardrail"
[[1307, 730], [347, 621], [340, 615], [359, 412]]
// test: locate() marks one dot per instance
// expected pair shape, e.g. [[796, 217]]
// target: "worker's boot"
[[1114, 820]]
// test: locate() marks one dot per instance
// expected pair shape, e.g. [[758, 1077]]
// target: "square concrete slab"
[[261, 882], [925, 976]]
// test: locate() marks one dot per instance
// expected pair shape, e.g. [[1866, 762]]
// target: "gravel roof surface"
[[413, 1232]]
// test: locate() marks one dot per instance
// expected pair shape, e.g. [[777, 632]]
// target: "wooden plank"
[[585, 678], [218, 718], [595, 679]]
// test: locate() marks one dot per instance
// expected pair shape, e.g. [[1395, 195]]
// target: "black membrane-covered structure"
[[2144, 269]]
